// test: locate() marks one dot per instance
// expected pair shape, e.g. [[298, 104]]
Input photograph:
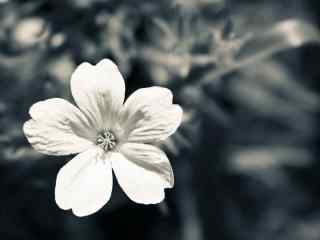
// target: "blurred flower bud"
[[28, 32], [57, 40]]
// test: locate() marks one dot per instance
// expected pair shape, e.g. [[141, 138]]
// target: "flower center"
[[106, 140]]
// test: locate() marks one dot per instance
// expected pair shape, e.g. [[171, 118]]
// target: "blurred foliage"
[[245, 158]]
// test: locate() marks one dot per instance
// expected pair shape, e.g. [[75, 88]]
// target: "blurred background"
[[246, 73]]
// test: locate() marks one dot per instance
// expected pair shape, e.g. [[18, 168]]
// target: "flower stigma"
[[106, 140]]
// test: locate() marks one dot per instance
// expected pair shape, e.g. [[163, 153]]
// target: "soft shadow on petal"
[[154, 123], [99, 91], [147, 96], [143, 172], [151, 158], [58, 128], [85, 183], [141, 98]]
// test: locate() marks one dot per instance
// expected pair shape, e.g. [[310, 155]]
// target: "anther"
[[106, 140]]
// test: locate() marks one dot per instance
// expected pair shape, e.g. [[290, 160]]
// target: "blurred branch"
[[287, 34], [261, 158]]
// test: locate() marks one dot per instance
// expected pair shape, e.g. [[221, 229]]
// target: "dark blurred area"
[[247, 76]]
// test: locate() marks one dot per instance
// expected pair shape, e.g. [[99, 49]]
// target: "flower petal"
[[85, 183], [58, 128], [143, 172], [98, 91], [154, 123], [147, 96]]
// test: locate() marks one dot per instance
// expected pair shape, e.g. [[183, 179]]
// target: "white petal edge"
[[143, 172], [155, 123], [84, 184], [99, 91], [58, 128]]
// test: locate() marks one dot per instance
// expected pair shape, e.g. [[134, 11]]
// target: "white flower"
[[108, 135]]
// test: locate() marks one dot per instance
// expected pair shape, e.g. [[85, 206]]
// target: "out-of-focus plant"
[[247, 121]]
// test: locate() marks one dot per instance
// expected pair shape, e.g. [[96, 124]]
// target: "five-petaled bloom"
[[108, 134]]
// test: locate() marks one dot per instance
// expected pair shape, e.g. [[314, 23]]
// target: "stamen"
[[106, 140]]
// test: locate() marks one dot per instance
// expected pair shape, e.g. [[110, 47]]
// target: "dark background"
[[246, 156]]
